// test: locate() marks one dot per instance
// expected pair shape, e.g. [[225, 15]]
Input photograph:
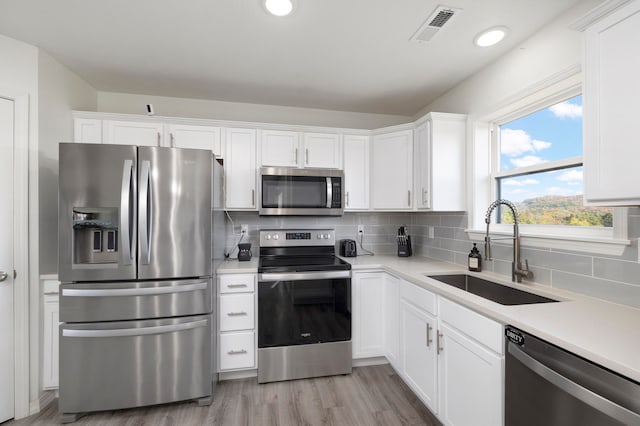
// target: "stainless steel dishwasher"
[[546, 385]]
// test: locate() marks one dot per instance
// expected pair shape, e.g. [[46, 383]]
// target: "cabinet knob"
[[3, 276]]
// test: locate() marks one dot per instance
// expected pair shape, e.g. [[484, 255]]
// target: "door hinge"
[[15, 274]]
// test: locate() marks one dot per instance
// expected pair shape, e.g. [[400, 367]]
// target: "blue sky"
[[550, 134]]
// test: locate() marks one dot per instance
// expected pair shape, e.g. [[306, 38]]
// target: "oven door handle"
[[300, 276], [585, 395]]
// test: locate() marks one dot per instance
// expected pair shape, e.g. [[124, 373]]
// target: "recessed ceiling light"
[[490, 37], [279, 7]]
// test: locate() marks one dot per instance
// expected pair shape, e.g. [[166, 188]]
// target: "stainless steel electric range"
[[304, 306]]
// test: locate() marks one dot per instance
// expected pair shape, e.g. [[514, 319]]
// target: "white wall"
[[199, 108], [60, 92], [552, 50]]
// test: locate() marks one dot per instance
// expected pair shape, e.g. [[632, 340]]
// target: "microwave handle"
[[329, 192]]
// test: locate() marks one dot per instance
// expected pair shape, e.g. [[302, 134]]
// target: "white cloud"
[[566, 110], [527, 160], [515, 142], [564, 191], [515, 182], [571, 176]]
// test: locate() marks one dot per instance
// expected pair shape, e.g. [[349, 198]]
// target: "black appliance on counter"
[[304, 306], [244, 252], [404, 242], [348, 248]]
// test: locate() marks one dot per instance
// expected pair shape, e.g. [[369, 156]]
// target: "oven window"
[[303, 312], [294, 192]]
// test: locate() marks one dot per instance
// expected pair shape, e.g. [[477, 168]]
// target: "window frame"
[[484, 156]]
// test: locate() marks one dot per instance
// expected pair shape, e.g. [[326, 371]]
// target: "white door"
[[322, 150], [6, 261], [356, 172], [392, 166], [279, 148]]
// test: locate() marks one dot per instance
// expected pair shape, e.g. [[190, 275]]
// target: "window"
[[529, 150], [539, 167]]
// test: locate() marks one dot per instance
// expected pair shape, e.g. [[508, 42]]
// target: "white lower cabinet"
[[419, 353], [470, 378], [237, 345], [51, 339], [451, 357], [392, 320], [367, 314]]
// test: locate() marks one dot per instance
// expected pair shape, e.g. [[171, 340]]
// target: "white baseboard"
[[376, 360]]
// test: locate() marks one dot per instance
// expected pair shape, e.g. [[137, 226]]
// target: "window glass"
[[553, 133], [540, 168]]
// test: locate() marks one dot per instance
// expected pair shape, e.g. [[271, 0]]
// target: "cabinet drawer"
[[237, 283], [237, 312], [237, 350], [419, 297], [478, 327]]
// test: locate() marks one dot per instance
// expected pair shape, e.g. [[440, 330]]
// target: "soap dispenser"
[[475, 259]]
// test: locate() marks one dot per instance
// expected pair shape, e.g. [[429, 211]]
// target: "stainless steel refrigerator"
[[135, 263]]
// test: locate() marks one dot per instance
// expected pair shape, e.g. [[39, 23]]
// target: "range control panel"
[[297, 237]]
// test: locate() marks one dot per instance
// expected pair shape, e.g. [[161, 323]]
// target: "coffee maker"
[[244, 252]]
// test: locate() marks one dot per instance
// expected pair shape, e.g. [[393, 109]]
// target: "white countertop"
[[603, 332]]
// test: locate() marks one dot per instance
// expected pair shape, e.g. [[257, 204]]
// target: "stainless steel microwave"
[[292, 191]]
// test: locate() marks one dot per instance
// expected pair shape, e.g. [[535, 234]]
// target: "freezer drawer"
[[88, 302], [105, 366]]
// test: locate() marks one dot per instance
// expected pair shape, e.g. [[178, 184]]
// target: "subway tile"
[[441, 232], [461, 259], [454, 221], [617, 270], [502, 267], [634, 226], [558, 261], [627, 294], [455, 245], [427, 219], [439, 254]]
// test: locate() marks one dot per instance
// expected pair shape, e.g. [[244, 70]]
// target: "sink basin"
[[490, 290]]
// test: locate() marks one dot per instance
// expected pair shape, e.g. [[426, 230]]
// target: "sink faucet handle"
[[527, 272]]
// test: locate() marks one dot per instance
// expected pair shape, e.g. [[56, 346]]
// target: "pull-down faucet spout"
[[517, 271]]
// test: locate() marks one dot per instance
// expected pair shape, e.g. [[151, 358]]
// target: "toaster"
[[348, 248]]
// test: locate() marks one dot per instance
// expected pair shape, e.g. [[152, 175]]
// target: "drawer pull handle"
[[236, 314], [429, 339], [240, 352], [439, 347], [236, 285]]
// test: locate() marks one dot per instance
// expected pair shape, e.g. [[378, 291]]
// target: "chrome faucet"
[[517, 272]]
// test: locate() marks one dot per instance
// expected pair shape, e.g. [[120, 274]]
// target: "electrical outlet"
[[244, 229], [431, 232], [360, 229]]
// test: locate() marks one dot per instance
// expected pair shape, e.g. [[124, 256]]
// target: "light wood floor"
[[372, 395]]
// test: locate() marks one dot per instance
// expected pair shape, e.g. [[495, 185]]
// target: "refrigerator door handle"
[[146, 212], [148, 291], [143, 331], [126, 212]]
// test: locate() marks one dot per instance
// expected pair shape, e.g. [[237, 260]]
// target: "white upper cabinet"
[[611, 93], [322, 150], [283, 148], [195, 137], [240, 169], [87, 130], [279, 148], [440, 162], [392, 171], [356, 172], [132, 133]]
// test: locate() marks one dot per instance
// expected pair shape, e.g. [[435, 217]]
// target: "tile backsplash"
[[614, 278]]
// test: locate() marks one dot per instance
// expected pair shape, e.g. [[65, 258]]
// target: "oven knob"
[[320, 236], [276, 236], [327, 236], [267, 237]]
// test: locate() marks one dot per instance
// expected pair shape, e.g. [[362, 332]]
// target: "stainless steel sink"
[[490, 290]]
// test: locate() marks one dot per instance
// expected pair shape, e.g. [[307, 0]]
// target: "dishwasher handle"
[[576, 390]]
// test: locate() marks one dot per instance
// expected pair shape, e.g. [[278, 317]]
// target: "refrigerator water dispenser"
[[95, 235]]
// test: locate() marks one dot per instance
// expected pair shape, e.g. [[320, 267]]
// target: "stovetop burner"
[[299, 250]]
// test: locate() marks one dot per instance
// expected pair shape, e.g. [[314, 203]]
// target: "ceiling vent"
[[434, 23]]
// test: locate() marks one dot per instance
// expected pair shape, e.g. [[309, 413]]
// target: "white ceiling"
[[349, 55]]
